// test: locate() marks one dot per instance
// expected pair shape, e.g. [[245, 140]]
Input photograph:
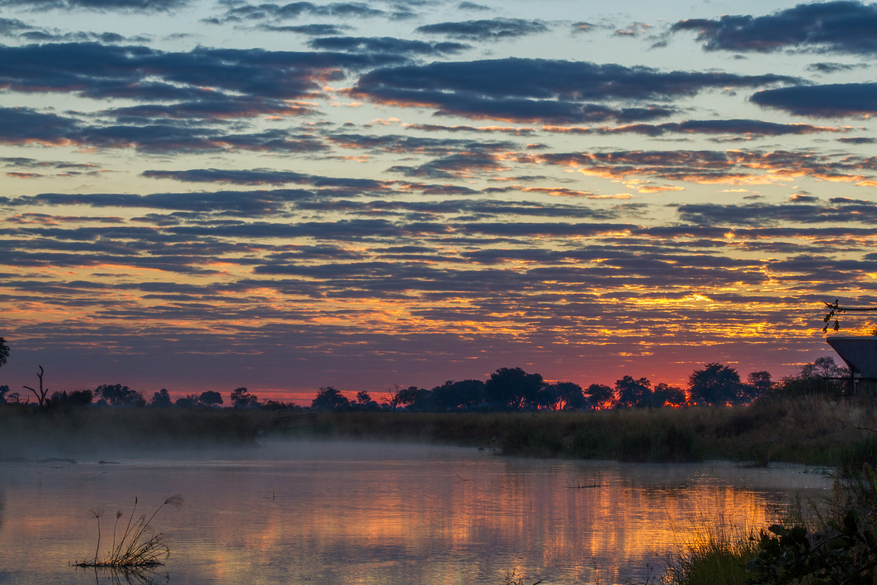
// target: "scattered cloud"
[[454, 166], [324, 211], [516, 130], [472, 6], [401, 144], [100, 71], [495, 29], [857, 140], [716, 167], [99, 5], [804, 209], [544, 90], [313, 30], [634, 29], [294, 10], [842, 26], [834, 67], [385, 45], [10, 27], [821, 101], [20, 126], [750, 128]]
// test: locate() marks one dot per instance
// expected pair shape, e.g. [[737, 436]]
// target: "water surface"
[[347, 513]]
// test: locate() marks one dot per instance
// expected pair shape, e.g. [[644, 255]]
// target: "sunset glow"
[[204, 195]]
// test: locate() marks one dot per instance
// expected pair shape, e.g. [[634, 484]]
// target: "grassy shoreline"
[[810, 430]]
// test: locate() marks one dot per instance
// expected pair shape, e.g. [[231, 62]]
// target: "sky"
[[205, 195]]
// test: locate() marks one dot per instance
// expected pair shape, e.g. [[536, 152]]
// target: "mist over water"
[[361, 512]]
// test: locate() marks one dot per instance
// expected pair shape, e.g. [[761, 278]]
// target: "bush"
[[847, 555]]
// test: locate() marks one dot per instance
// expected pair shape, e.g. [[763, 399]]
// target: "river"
[[355, 512]]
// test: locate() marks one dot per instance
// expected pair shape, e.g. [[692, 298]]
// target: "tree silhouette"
[[462, 395], [364, 401], [241, 399], [599, 396], [666, 395], [187, 401], [824, 367], [75, 399], [401, 396], [422, 400], [4, 351], [714, 385], [561, 396], [210, 398], [161, 399], [328, 398], [757, 384], [633, 393], [41, 395], [814, 378], [118, 395], [513, 387]]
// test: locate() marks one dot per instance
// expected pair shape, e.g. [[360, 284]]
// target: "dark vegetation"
[[27, 432], [133, 543], [514, 390], [506, 390], [805, 418], [815, 429], [810, 418], [832, 542]]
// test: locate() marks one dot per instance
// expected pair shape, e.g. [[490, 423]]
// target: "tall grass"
[[812, 430], [716, 555], [833, 540], [135, 546]]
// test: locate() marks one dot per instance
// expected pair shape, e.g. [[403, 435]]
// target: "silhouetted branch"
[[41, 396], [834, 309]]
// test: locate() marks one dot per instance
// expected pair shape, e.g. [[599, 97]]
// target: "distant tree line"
[[507, 389], [117, 395], [513, 389]]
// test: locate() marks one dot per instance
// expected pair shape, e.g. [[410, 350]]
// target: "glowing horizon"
[[210, 195]]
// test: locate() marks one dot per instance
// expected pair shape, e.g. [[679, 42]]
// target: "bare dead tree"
[[41, 395]]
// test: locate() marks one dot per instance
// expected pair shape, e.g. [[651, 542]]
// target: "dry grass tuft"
[[512, 578], [136, 547]]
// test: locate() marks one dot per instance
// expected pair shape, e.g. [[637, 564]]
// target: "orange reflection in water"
[[378, 513]]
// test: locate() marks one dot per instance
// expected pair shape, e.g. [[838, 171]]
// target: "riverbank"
[[809, 430], [31, 433], [829, 540]]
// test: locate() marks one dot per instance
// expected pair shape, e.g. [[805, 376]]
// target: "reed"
[[811, 429], [512, 578], [831, 540], [714, 556], [137, 546]]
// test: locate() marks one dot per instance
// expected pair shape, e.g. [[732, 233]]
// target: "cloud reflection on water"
[[336, 513]]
